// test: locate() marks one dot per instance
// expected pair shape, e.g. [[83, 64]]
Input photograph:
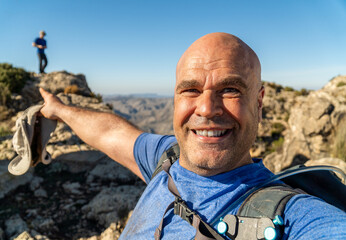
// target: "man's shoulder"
[[148, 149], [309, 217], [40, 40]]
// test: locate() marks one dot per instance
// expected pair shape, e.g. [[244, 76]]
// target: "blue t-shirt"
[[305, 217], [40, 41]]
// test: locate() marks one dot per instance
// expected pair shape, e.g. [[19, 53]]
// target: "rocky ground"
[[83, 194]]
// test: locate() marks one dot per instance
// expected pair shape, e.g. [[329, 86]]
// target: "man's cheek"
[[183, 112]]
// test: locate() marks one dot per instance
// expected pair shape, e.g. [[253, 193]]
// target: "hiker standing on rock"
[[41, 44], [217, 108]]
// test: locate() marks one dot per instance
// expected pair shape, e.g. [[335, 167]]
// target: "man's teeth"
[[210, 133]]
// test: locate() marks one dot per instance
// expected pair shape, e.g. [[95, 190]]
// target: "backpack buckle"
[[182, 210]]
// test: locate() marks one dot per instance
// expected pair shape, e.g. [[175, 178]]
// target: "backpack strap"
[[268, 201], [172, 154], [203, 230]]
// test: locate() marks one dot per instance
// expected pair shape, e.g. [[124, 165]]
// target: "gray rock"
[[35, 183], [40, 193], [2, 234], [72, 188], [110, 170], [80, 161], [44, 224], [9, 182], [15, 226], [112, 205]]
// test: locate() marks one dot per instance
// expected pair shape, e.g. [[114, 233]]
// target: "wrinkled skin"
[[218, 89]]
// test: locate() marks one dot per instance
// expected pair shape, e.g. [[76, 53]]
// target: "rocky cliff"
[[83, 194]]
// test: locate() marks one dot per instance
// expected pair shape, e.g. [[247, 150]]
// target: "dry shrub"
[[4, 131], [72, 89], [339, 147]]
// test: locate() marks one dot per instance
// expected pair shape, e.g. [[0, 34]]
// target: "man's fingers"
[[43, 92]]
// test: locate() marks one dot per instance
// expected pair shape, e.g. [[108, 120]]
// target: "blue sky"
[[133, 46]]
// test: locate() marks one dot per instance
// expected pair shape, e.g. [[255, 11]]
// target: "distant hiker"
[[41, 45], [217, 108]]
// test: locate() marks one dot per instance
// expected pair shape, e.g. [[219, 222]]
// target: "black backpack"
[[259, 216]]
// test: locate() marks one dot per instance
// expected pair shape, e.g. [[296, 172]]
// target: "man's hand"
[[107, 132], [52, 104]]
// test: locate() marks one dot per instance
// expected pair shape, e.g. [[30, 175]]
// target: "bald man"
[[217, 107]]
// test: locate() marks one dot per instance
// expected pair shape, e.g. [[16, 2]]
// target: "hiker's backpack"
[[259, 216]]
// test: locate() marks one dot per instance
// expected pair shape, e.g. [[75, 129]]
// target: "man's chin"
[[207, 160]]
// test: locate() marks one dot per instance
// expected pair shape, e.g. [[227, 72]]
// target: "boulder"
[[14, 226], [312, 127], [56, 82], [113, 204], [9, 182]]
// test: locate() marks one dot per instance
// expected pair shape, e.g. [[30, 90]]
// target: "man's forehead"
[[227, 81], [198, 63], [218, 51], [207, 64], [212, 58]]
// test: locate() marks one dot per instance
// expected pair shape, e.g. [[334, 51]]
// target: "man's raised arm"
[[107, 132]]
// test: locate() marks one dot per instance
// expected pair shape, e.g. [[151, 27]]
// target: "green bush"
[[340, 84], [302, 92], [4, 132], [97, 96], [277, 129], [13, 78], [5, 94], [277, 87], [288, 89], [287, 116], [277, 145]]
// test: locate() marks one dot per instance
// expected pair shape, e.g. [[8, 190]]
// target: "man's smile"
[[211, 133]]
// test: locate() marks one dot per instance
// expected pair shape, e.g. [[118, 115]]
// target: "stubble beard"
[[219, 158]]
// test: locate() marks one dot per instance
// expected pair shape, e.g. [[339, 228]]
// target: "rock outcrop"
[[82, 194], [85, 195], [314, 122]]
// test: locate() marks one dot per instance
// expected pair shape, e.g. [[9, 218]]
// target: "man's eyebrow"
[[233, 81], [186, 84]]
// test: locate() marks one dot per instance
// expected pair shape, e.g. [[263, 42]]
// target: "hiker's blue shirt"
[[306, 217], [40, 41]]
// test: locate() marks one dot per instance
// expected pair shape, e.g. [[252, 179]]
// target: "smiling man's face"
[[217, 104]]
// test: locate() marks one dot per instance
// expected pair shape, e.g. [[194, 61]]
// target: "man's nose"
[[209, 105]]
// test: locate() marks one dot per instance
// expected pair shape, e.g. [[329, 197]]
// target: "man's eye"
[[190, 92], [231, 91]]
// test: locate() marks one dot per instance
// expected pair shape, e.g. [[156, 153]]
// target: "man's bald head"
[[217, 104], [215, 46]]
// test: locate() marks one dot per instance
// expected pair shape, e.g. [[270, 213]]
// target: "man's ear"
[[260, 103]]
